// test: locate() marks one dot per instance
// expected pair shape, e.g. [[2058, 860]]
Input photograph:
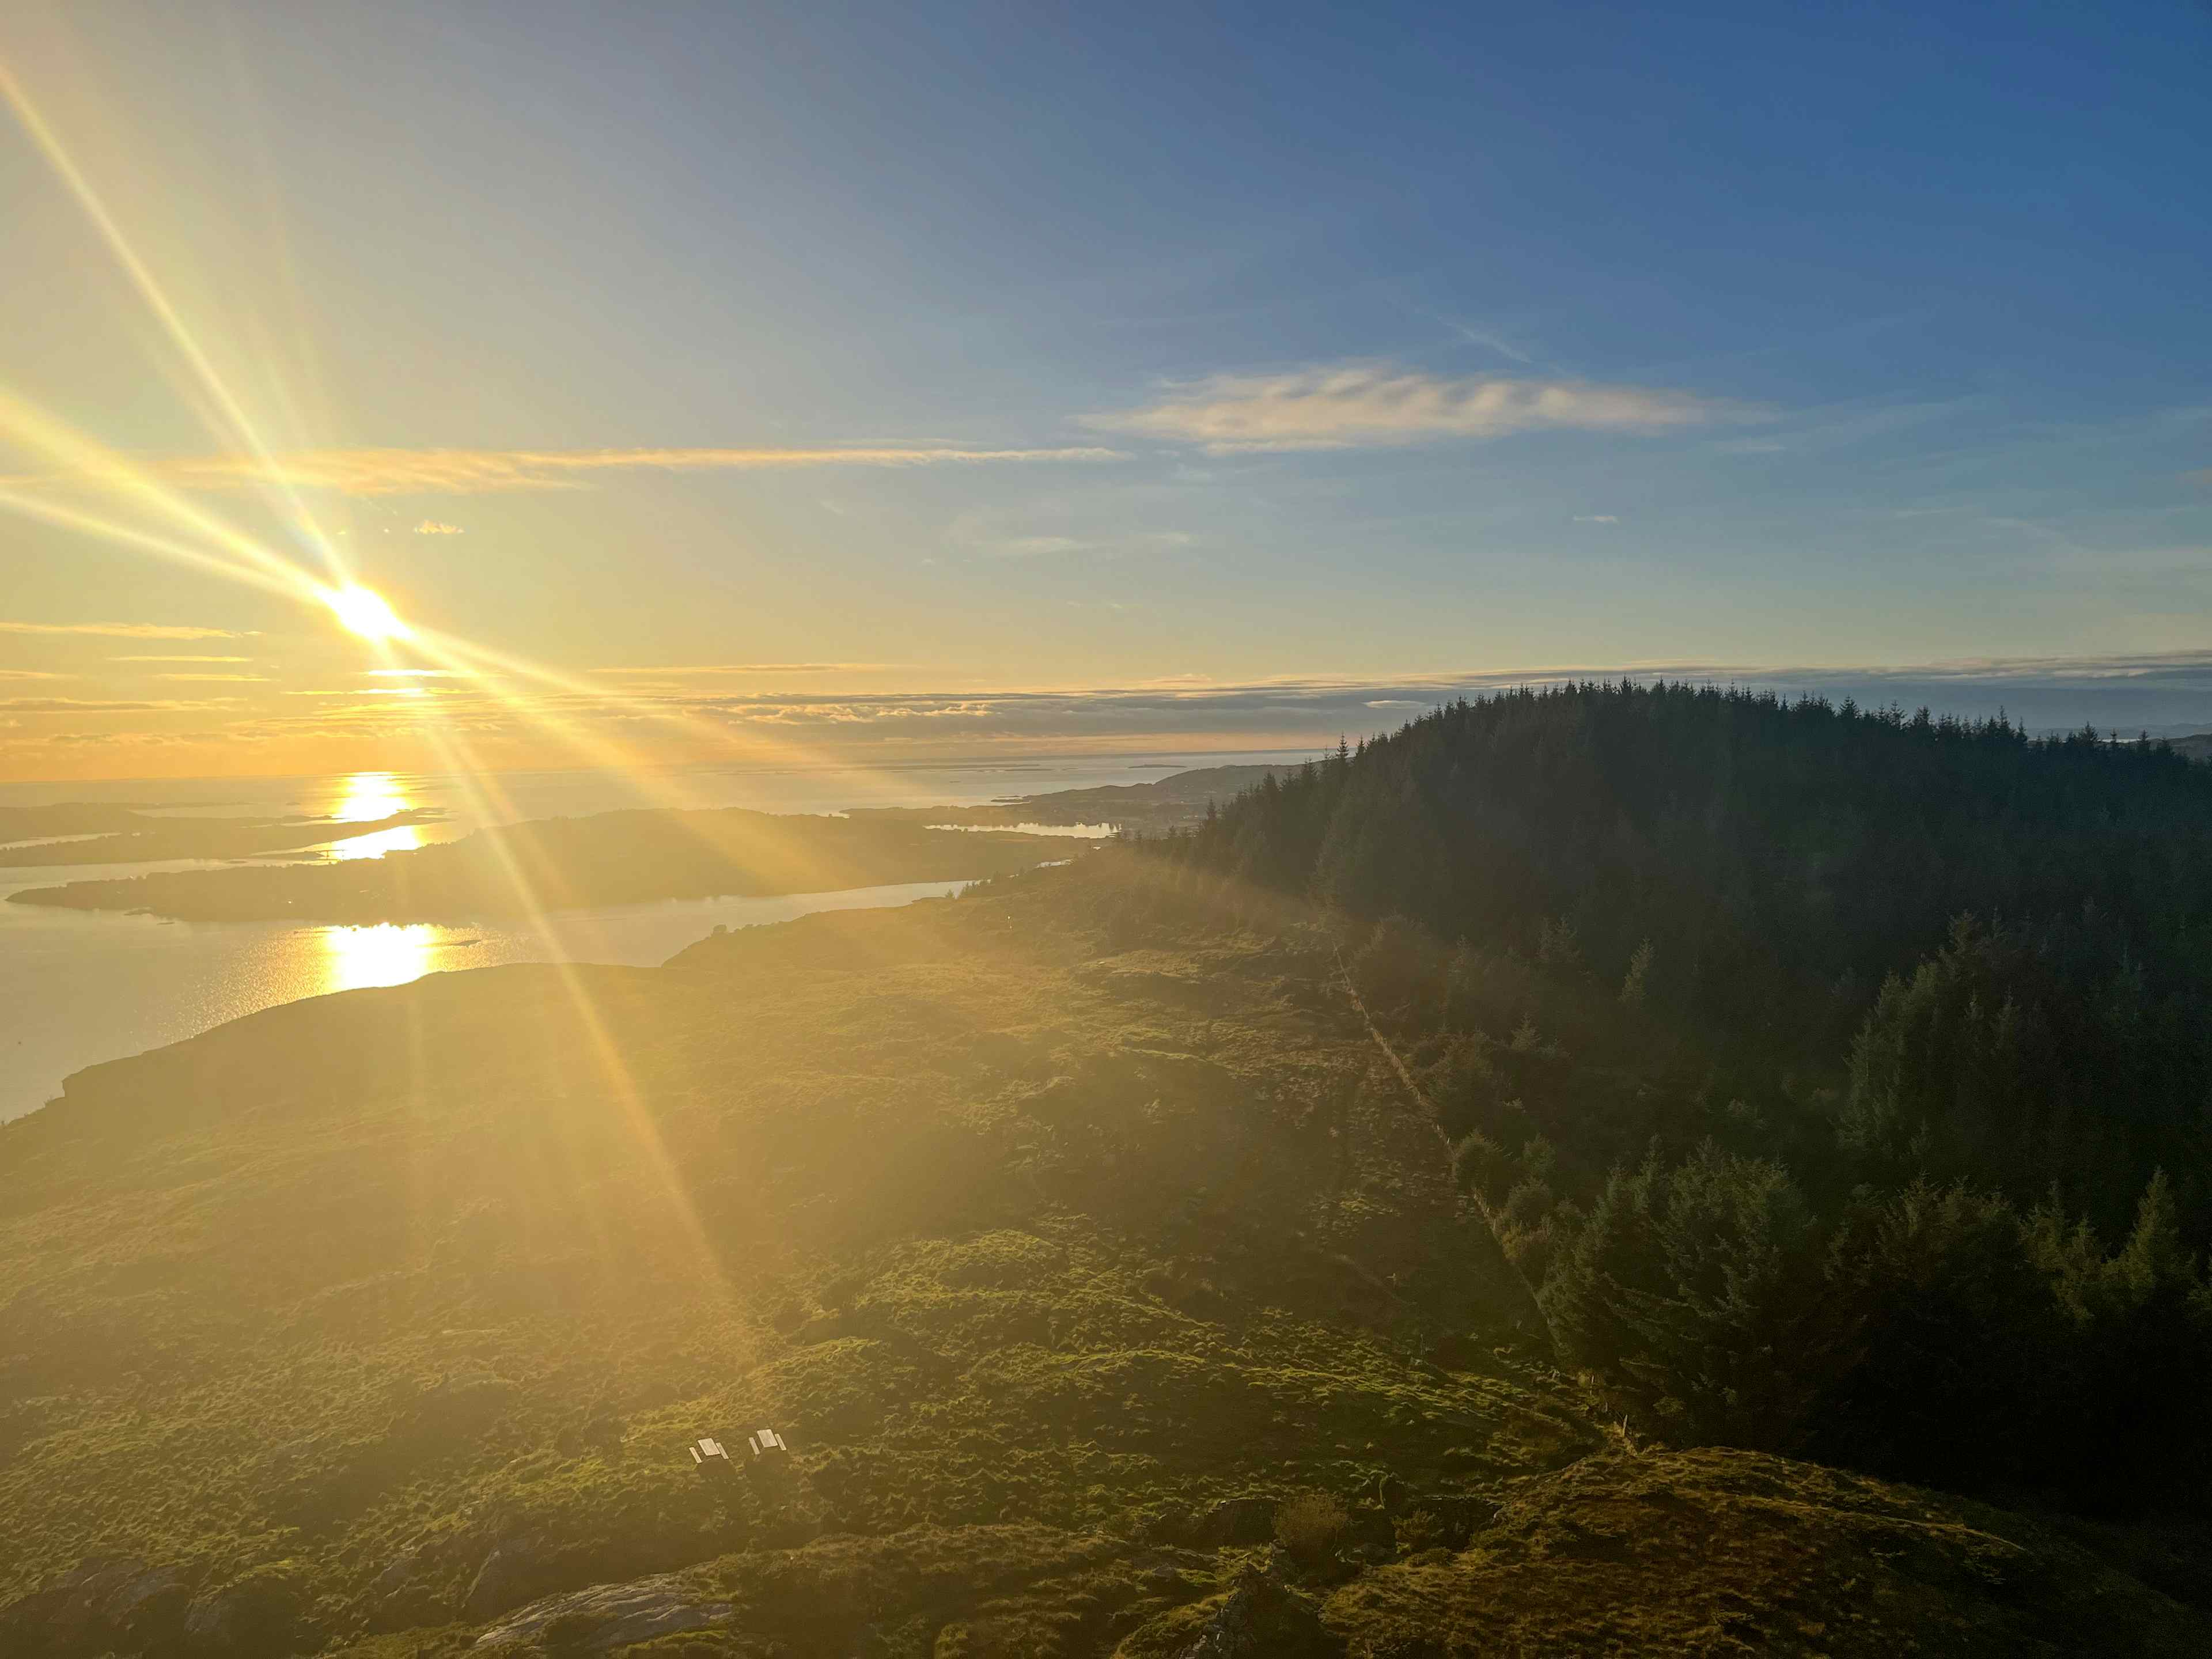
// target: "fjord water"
[[81, 987]]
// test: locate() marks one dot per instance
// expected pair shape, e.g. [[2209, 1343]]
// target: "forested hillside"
[[1098, 1255], [1841, 1078], [1110, 1288]]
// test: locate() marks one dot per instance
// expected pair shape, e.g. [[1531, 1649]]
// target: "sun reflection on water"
[[405, 839], [383, 955], [370, 795]]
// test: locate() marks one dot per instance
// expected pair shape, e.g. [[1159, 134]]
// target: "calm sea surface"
[[78, 988]]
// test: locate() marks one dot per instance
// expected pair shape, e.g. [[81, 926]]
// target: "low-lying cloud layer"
[[2163, 694], [673, 720], [1370, 406]]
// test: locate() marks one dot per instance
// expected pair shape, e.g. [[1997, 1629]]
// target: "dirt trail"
[[1532, 1313]]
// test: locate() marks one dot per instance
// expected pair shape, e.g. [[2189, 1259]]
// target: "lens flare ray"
[[241, 428]]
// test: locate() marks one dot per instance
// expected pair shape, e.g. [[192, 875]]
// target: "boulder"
[[1264, 1619], [516, 1570], [116, 1603], [603, 1616], [260, 1614], [1238, 1521]]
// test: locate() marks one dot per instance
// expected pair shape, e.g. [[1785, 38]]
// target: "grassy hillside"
[[413, 1299], [1082, 1242]]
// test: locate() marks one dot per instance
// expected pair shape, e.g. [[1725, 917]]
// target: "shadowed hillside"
[[1759, 872], [1775, 855], [1838, 1080]]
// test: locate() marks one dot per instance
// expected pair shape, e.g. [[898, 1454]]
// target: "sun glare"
[[356, 958], [365, 613], [370, 795]]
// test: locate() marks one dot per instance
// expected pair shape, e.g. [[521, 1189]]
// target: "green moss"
[[1724, 1553], [1044, 1262]]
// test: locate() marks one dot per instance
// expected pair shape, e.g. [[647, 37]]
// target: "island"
[[1169, 803], [561, 864], [81, 833]]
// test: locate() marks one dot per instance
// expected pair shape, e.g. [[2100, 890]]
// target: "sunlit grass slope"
[[374, 1286], [1062, 1252]]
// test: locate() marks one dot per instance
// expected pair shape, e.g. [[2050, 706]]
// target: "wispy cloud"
[[752, 668], [228, 679], [180, 659], [32, 674], [433, 527], [1597, 518], [489, 471], [87, 706], [127, 630], [1488, 338], [1819, 431], [1031, 546], [1024, 547], [1371, 405]]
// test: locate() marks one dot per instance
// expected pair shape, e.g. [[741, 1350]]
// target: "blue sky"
[[1017, 347]]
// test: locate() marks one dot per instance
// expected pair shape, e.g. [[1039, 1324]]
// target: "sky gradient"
[[923, 380]]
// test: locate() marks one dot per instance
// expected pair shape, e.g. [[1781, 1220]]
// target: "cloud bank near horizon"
[[2166, 693]]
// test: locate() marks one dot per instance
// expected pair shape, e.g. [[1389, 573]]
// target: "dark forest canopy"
[[1777, 855], [1840, 1079], [2007, 941]]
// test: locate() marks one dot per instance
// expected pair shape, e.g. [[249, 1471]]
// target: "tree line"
[[1841, 1078]]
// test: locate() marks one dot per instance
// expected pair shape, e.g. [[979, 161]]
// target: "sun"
[[365, 613]]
